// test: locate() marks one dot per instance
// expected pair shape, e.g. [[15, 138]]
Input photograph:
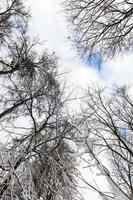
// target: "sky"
[[48, 22]]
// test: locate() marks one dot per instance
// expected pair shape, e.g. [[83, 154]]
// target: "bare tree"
[[36, 160], [104, 26], [13, 16], [107, 134]]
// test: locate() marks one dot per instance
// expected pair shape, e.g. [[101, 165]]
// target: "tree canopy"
[[36, 160], [108, 138], [104, 26]]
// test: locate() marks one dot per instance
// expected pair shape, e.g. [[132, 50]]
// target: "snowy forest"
[[58, 142]]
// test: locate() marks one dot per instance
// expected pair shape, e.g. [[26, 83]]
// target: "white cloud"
[[48, 22], [119, 70]]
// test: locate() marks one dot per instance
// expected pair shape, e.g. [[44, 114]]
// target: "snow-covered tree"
[[108, 138], [35, 156], [104, 26]]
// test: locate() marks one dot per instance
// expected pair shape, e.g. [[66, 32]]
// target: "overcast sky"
[[48, 23]]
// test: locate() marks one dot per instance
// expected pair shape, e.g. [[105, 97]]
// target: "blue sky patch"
[[95, 60]]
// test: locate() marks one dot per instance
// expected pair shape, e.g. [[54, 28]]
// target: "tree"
[[13, 16], [104, 26], [107, 134], [36, 159]]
